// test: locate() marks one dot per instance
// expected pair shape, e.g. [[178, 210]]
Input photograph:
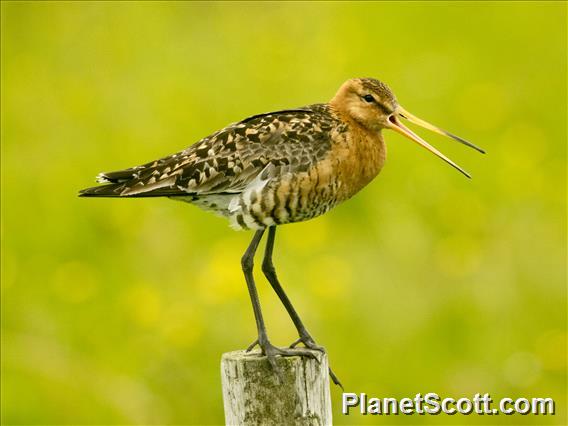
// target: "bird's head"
[[372, 105]]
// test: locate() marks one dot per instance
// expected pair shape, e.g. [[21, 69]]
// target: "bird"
[[277, 168]]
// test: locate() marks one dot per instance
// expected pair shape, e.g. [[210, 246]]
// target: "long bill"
[[413, 119], [405, 131]]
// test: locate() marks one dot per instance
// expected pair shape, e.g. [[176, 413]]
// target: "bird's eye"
[[369, 98]]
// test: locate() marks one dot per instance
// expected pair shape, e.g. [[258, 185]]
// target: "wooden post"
[[252, 394]]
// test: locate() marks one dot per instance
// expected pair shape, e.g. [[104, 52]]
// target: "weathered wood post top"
[[253, 394]]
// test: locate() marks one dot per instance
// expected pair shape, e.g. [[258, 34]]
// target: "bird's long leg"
[[270, 273], [266, 347]]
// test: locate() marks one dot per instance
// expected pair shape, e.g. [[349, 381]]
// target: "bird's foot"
[[271, 352], [310, 343]]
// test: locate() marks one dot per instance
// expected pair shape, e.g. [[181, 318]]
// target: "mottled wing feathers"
[[281, 112], [230, 159]]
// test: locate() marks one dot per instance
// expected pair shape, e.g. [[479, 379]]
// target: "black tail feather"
[[112, 190]]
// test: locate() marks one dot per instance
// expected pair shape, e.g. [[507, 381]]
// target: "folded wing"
[[228, 160]]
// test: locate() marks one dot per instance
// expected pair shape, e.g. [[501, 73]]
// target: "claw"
[[335, 380], [308, 343], [252, 346], [272, 360], [295, 343], [300, 352]]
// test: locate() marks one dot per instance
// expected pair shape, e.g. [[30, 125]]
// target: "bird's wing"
[[228, 160]]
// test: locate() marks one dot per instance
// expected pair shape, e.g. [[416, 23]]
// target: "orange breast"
[[357, 159]]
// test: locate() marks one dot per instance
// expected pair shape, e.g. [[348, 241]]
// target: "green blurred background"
[[117, 311]]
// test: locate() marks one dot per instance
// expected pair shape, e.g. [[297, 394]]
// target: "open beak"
[[396, 125]]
